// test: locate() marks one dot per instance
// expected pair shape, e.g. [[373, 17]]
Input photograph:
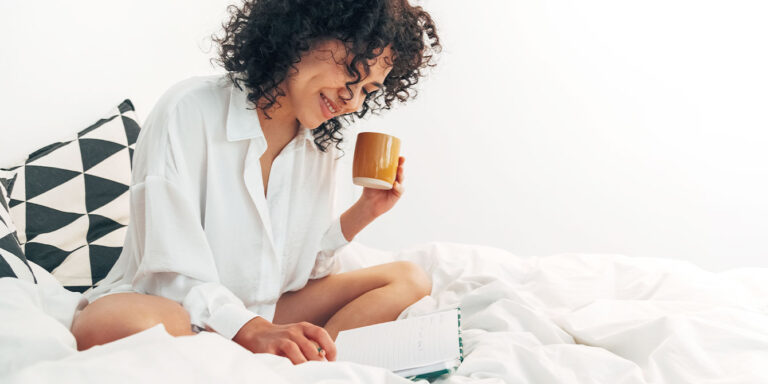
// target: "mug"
[[376, 159]]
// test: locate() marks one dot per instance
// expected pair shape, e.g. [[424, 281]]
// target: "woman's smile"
[[328, 107]]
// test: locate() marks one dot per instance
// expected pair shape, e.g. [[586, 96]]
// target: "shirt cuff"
[[333, 237], [326, 262], [228, 319]]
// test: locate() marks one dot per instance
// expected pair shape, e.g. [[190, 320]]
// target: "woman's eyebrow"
[[377, 84]]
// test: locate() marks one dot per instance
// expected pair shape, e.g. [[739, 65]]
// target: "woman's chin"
[[313, 122]]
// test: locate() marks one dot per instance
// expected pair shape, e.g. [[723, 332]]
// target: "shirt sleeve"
[[326, 263], [176, 261]]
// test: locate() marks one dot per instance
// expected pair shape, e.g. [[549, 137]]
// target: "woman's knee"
[[412, 276], [120, 315]]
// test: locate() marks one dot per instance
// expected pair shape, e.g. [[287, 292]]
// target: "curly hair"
[[264, 39]]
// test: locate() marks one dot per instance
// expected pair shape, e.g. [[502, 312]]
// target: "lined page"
[[402, 344]]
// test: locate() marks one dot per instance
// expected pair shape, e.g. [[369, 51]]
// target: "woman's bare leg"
[[337, 302], [357, 298], [119, 315]]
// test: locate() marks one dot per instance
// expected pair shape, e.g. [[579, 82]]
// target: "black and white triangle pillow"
[[13, 263], [70, 203]]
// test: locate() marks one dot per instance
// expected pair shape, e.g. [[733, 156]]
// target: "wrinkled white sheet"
[[569, 318]]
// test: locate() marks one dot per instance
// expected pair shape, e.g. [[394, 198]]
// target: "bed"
[[567, 318]]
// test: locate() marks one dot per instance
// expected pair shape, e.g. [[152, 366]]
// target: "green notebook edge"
[[434, 375]]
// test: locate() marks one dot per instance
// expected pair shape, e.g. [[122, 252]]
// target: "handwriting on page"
[[402, 344]]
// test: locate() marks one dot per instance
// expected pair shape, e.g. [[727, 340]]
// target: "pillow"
[[13, 263], [69, 200]]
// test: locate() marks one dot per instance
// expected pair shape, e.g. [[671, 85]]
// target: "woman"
[[232, 195]]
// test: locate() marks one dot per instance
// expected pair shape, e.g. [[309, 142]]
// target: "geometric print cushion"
[[69, 200], [12, 260], [13, 266]]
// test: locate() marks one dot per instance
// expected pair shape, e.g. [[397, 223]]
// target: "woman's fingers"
[[290, 350], [308, 348], [398, 189], [400, 174], [321, 337]]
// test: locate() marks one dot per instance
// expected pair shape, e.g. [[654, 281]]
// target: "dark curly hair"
[[263, 39]]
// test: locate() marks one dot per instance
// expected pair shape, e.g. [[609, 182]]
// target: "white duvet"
[[570, 318]]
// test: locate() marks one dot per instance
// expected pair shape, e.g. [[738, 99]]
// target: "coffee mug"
[[376, 159]]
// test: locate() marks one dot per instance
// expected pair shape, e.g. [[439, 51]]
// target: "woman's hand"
[[297, 341], [372, 204], [379, 201]]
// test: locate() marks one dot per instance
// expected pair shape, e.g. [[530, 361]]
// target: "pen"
[[320, 350]]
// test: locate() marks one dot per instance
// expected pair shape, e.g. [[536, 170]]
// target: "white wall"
[[550, 126], [64, 63]]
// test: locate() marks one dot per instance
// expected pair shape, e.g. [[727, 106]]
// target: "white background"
[[549, 126]]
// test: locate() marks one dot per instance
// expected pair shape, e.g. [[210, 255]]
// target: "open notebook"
[[421, 347]]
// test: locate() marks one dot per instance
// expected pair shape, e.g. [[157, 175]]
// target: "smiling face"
[[317, 92]]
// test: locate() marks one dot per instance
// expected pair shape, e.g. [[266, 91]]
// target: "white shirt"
[[202, 232]]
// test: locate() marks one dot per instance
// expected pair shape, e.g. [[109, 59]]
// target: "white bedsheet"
[[570, 318]]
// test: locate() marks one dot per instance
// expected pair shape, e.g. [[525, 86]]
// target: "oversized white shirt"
[[202, 232]]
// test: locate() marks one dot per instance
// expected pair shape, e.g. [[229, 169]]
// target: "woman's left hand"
[[372, 204], [379, 201]]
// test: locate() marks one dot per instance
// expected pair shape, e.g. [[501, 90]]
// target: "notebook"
[[423, 347]]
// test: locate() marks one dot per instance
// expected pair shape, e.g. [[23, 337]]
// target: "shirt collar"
[[309, 138], [243, 122]]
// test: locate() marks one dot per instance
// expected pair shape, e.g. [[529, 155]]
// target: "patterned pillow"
[[69, 200], [13, 263]]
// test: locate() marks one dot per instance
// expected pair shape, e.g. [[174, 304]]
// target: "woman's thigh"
[[320, 299], [119, 315]]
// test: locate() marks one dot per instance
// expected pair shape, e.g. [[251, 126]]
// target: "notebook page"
[[402, 344]]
